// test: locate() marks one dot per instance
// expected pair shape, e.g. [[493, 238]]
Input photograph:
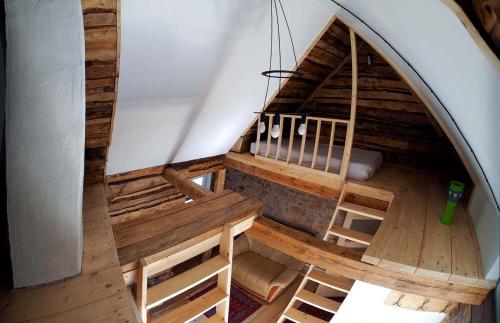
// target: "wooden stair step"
[[368, 191], [318, 301], [301, 317], [214, 319], [362, 210], [174, 286], [193, 309], [340, 283], [351, 235]]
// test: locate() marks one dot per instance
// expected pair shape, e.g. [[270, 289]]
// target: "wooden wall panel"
[[101, 23]]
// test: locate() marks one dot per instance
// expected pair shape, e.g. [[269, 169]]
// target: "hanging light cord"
[[290, 35], [279, 49], [270, 59], [435, 95]]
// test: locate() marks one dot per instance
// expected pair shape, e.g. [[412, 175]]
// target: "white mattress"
[[362, 165]]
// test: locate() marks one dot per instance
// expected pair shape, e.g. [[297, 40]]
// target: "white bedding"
[[362, 165]]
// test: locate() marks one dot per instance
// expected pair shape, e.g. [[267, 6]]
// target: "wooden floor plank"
[[463, 251], [143, 231], [435, 256], [98, 295], [403, 249], [113, 309], [236, 213]]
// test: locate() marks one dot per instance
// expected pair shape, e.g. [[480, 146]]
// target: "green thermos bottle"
[[455, 191]]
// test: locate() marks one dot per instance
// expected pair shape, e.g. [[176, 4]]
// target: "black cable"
[[270, 59], [279, 50], [435, 95], [290, 35]]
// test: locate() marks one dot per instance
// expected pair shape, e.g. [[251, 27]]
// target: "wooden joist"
[[348, 263], [185, 185]]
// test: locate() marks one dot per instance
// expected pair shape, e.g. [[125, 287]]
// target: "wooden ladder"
[[221, 265], [330, 280]]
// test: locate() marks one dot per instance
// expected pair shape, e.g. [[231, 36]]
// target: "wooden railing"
[[290, 122]]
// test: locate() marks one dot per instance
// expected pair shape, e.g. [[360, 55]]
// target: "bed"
[[362, 165]]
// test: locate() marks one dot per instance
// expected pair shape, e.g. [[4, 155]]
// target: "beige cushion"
[[261, 269], [255, 272]]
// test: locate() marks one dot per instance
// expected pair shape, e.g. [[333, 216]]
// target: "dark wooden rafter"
[[340, 66], [102, 55]]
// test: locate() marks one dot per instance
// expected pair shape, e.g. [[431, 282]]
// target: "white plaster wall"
[[45, 123], [365, 303], [239, 88]]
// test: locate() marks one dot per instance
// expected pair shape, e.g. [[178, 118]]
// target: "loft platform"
[[348, 263], [166, 232], [411, 238]]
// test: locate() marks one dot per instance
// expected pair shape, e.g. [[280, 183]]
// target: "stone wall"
[[291, 207]]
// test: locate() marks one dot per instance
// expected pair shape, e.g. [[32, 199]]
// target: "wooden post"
[[278, 147], [218, 181], [142, 289], [224, 279], [330, 146], [257, 142], [316, 142], [352, 120], [290, 141], [269, 127], [302, 146]]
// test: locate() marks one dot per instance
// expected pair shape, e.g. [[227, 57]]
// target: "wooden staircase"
[[148, 298], [331, 280]]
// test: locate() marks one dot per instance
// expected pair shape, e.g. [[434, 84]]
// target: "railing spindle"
[[302, 146], [330, 147], [290, 141], [278, 147], [269, 128], [316, 143], [257, 142]]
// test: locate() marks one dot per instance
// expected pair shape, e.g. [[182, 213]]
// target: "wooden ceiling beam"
[[334, 72]]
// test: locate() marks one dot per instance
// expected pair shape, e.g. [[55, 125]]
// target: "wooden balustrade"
[[289, 121]]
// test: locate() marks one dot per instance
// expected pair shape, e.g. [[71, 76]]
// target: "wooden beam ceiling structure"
[[390, 118], [101, 20]]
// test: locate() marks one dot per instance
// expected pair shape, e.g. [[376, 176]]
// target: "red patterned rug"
[[241, 306]]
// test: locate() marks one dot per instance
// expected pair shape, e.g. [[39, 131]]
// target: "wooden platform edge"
[[345, 262]]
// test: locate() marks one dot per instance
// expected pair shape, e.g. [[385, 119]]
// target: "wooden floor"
[[99, 294], [411, 238]]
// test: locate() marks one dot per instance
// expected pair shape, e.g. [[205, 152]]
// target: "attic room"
[[250, 161]]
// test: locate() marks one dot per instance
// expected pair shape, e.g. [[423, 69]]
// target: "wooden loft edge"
[[345, 262], [294, 178], [192, 168]]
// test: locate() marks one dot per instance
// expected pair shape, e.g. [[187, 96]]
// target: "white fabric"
[[362, 164]]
